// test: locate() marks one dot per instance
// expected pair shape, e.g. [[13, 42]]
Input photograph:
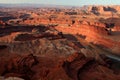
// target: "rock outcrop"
[[19, 67], [104, 10], [73, 67]]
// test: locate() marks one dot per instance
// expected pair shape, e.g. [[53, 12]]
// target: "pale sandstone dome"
[[13, 78]]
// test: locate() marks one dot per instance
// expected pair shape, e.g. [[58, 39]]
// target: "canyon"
[[50, 43]]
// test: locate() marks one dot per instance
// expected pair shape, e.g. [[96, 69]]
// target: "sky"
[[66, 2]]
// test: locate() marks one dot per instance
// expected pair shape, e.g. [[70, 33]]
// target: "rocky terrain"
[[60, 43]]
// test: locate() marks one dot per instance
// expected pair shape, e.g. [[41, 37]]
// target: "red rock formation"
[[104, 10], [56, 50], [74, 67], [77, 66], [84, 30], [20, 67], [97, 35]]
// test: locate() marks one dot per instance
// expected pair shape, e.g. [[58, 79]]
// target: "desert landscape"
[[60, 43]]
